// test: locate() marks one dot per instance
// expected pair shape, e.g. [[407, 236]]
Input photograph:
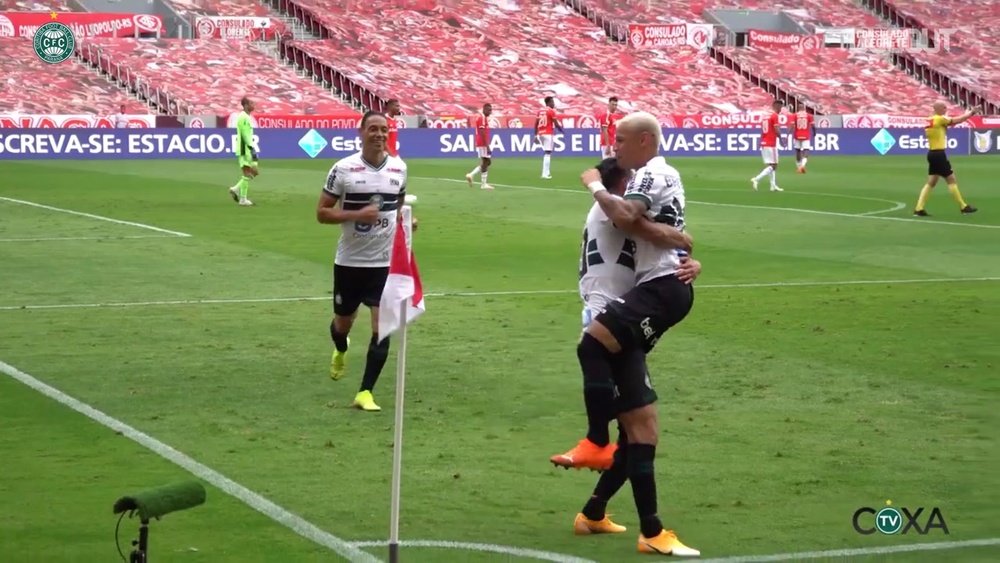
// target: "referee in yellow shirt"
[[937, 161]]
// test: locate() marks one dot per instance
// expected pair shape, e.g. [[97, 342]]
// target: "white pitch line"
[[296, 523], [751, 285], [482, 547], [47, 239], [764, 207], [92, 216], [909, 548]]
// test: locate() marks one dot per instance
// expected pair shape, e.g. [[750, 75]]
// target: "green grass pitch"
[[840, 353]]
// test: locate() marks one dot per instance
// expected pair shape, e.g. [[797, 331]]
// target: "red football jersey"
[[393, 137], [769, 131], [546, 121], [803, 126], [482, 127], [609, 120]]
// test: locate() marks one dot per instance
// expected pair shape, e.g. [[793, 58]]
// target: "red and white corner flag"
[[403, 283]]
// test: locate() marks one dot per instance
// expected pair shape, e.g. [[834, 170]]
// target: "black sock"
[[609, 483], [643, 478], [598, 388], [339, 340], [378, 353]]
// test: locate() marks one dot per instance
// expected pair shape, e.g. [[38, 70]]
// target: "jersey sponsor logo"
[[394, 182], [357, 169]]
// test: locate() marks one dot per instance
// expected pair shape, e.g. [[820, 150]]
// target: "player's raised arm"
[[622, 212]]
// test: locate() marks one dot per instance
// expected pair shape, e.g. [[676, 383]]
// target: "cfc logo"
[[891, 520]]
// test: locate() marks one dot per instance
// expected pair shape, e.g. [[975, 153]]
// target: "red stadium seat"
[[209, 76]]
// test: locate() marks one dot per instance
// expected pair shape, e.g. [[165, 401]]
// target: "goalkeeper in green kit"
[[246, 154]]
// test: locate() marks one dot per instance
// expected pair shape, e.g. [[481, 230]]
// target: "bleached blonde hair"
[[643, 121]]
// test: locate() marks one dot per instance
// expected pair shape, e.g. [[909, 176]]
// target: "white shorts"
[[483, 152], [805, 145], [546, 141], [608, 152], [769, 154], [595, 304]]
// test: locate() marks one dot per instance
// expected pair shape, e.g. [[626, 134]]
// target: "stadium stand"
[[835, 80], [208, 76], [469, 53], [615, 15], [28, 6], [188, 8], [966, 67], [69, 88]]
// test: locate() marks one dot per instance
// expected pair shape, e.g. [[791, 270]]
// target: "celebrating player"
[[802, 136], [937, 160], [246, 153], [369, 187], [608, 121], [391, 111], [544, 130], [632, 324], [769, 147], [481, 123]]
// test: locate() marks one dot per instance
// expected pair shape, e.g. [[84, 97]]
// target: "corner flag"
[[403, 284], [402, 301]]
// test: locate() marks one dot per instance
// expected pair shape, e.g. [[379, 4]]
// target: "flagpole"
[[397, 441]]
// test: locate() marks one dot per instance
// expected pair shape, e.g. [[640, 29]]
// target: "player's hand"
[[977, 110], [688, 244], [590, 176], [689, 271], [367, 214], [413, 223]]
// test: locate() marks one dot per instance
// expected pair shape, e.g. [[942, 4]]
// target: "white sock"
[[474, 171], [547, 165], [774, 177], [484, 177], [804, 161], [763, 173]]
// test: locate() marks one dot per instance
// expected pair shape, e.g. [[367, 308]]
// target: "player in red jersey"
[[545, 127], [481, 124], [608, 121], [769, 130], [804, 129], [392, 141]]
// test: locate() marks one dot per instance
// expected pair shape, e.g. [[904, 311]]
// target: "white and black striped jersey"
[[657, 185], [358, 183]]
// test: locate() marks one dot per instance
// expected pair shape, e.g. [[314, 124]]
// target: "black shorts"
[[938, 165], [353, 286], [637, 321]]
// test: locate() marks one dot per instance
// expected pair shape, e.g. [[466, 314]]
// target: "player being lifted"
[[391, 111], [481, 124], [545, 126], [608, 121], [246, 153], [362, 194], [802, 138], [938, 165], [769, 147]]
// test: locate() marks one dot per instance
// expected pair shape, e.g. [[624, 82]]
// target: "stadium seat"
[[452, 58], [209, 76], [35, 6], [837, 80], [69, 88], [972, 58]]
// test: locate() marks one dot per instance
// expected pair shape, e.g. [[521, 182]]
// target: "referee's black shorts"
[[937, 164], [354, 286]]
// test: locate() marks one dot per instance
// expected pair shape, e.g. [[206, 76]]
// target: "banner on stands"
[[83, 24], [28, 121], [660, 35], [799, 41], [236, 27], [428, 143]]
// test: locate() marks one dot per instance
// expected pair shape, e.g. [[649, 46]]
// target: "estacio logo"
[[54, 42], [883, 141], [312, 143], [891, 520]]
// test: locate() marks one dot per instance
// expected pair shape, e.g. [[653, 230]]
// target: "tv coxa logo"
[[891, 520]]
